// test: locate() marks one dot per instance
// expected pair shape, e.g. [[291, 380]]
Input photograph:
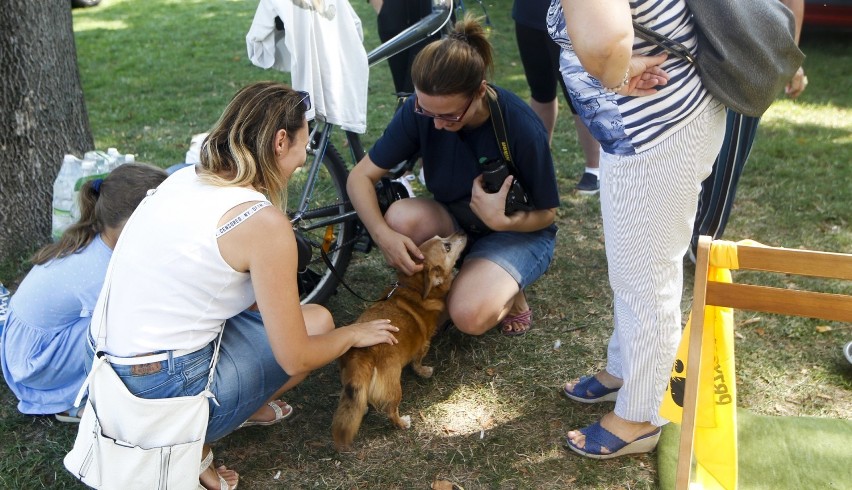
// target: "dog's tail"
[[353, 403]]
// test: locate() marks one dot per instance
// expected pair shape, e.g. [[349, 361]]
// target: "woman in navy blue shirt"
[[449, 122]]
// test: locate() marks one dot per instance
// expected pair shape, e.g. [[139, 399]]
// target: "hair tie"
[[96, 185], [459, 36]]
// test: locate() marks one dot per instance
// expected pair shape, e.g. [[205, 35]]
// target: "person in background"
[[179, 278], [540, 57], [720, 188], [44, 342], [393, 17], [658, 145], [449, 120]]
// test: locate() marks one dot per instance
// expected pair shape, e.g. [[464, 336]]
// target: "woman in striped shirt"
[[659, 131]]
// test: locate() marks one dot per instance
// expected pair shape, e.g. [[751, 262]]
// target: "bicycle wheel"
[[324, 216]]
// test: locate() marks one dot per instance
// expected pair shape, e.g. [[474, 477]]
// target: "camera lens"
[[494, 172]]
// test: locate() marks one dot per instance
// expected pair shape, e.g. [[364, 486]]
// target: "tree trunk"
[[42, 116]]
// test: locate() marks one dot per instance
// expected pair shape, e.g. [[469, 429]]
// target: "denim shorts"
[[247, 375], [524, 255]]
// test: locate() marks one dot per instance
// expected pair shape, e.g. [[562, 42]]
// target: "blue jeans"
[[247, 375], [525, 256]]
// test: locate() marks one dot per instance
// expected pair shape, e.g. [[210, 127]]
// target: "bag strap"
[[499, 125], [664, 42]]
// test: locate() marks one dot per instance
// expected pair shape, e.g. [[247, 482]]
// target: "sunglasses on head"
[[443, 117], [306, 99]]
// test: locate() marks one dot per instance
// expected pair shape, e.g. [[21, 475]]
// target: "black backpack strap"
[[662, 41]]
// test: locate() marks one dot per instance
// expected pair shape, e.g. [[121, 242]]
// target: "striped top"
[[628, 125]]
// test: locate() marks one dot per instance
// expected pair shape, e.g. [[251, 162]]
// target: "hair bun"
[[459, 36]]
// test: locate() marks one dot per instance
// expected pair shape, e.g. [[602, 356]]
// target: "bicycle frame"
[[303, 213], [324, 215], [423, 29]]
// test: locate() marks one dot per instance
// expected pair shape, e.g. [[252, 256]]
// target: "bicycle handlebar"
[[423, 29]]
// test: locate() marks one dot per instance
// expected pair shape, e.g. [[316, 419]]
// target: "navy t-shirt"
[[451, 159]]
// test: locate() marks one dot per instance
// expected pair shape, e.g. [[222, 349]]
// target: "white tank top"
[[170, 288]]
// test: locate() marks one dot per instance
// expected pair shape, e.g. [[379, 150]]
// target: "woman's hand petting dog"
[[373, 332], [400, 252]]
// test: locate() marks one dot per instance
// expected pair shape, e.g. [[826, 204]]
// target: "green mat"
[[778, 453]]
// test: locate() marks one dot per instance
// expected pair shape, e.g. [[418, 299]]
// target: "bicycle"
[[317, 202]]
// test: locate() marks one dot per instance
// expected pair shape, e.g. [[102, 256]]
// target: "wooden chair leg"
[[693, 365]]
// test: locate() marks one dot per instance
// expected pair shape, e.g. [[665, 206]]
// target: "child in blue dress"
[[44, 341]]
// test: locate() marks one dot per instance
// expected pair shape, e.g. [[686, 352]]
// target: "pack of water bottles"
[[72, 175]]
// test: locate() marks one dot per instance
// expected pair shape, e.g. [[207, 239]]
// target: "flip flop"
[[71, 416], [598, 438], [587, 385], [205, 463], [280, 415], [524, 319]]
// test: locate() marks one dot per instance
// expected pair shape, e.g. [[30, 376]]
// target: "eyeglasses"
[[443, 117], [306, 99]]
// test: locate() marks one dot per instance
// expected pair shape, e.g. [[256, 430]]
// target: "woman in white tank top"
[[205, 247]]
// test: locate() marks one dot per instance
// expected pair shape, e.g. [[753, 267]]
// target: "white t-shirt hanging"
[[322, 47]]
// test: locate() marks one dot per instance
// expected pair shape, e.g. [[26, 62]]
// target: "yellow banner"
[[715, 442]]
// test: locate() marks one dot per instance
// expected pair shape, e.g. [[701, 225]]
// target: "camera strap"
[[499, 126]]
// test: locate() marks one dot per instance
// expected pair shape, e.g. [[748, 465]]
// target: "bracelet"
[[621, 85]]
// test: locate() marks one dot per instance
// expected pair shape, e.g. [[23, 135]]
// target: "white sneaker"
[[406, 180]]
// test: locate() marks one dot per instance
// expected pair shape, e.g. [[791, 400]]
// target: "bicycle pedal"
[[363, 244]]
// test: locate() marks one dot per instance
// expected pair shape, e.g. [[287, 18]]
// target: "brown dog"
[[372, 374]]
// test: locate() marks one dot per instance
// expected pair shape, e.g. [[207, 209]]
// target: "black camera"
[[494, 172]]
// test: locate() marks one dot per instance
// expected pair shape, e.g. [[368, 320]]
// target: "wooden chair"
[[826, 306]]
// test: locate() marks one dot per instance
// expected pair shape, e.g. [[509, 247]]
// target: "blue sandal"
[[590, 390], [598, 438]]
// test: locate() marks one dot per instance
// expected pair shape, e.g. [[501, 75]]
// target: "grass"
[[156, 72]]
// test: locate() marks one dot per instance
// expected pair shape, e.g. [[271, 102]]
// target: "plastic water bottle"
[[63, 194], [114, 159], [101, 160], [103, 164], [117, 159]]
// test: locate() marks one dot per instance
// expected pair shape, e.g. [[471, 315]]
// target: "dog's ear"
[[432, 276]]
